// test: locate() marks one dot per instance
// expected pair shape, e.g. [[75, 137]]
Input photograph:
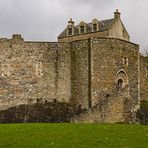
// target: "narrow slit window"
[[125, 61], [123, 33]]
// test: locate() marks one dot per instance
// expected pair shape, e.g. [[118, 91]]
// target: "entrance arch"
[[121, 80]]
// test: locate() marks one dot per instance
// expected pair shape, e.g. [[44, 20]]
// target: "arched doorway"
[[121, 80], [120, 85]]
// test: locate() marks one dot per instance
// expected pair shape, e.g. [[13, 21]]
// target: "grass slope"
[[73, 135]]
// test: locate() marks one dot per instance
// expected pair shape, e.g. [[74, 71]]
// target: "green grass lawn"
[[73, 135]]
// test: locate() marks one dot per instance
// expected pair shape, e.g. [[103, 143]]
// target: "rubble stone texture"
[[83, 73], [102, 72]]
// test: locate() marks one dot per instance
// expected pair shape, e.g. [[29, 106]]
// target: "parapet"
[[17, 38]]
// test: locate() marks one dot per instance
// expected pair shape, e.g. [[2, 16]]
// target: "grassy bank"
[[73, 135]]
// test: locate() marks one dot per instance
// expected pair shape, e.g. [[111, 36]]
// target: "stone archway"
[[121, 80]]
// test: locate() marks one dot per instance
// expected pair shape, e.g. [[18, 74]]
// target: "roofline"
[[83, 34], [89, 24], [122, 24]]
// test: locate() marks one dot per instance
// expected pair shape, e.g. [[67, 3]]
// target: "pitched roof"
[[103, 25]]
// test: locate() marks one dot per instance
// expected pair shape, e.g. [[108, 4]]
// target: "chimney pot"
[[117, 14]]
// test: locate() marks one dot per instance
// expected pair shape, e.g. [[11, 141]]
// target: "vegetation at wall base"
[[42, 135], [142, 113], [52, 112]]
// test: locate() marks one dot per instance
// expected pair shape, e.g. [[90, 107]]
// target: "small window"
[[94, 27], [123, 33], [125, 61], [69, 31], [81, 29]]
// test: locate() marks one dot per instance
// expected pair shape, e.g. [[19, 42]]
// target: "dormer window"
[[95, 27], [81, 29], [69, 31]]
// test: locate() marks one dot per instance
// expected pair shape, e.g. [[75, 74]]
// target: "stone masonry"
[[32, 72], [102, 72]]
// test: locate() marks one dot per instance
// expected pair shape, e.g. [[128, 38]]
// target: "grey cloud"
[[45, 19]]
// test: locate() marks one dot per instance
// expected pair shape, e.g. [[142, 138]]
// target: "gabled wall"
[[117, 30]]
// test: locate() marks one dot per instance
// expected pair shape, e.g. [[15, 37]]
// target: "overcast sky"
[[43, 20]]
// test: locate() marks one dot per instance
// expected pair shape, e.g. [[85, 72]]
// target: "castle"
[[93, 66]]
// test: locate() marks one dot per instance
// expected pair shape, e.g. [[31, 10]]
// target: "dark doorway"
[[120, 84]]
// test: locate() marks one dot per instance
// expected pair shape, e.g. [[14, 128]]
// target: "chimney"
[[70, 27], [117, 14], [71, 22]]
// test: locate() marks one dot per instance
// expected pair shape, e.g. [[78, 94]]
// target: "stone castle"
[[92, 66]]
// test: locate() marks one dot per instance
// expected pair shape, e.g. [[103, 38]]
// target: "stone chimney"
[[70, 23], [70, 27], [117, 14]]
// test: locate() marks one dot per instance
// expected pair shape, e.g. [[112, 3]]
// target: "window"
[[69, 31], [125, 61], [94, 27], [123, 33], [81, 29]]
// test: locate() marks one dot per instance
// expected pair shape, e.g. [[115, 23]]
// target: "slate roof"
[[103, 25]]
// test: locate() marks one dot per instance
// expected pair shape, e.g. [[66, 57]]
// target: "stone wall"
[[110, 109], [109, 58], [96, 71], [113, 60], [79, 73], [31, 72], [143, 77]]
